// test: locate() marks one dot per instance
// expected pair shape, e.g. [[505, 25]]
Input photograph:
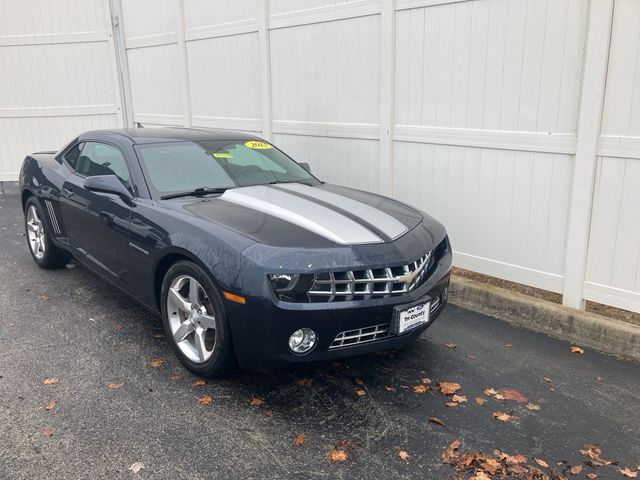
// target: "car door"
[[97, 224]]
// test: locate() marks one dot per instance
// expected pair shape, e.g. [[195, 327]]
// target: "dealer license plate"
[[411, 316]]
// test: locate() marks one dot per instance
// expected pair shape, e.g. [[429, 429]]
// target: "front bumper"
[[261, 328]]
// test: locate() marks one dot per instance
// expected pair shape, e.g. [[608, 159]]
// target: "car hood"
[[297, 215]]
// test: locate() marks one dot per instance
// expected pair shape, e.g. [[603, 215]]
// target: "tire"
[[43, 251], [195, 322]]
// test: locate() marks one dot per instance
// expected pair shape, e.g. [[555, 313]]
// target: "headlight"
[[291, 284]]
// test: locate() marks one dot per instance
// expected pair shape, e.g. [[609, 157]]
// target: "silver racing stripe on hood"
[[305, 213], [384, 222]]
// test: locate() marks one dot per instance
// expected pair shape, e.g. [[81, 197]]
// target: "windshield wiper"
[[194, 192]]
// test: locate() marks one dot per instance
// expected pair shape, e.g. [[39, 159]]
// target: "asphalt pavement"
[[71, 326]]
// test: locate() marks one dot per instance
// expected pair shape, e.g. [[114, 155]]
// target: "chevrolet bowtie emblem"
[[408, 277]]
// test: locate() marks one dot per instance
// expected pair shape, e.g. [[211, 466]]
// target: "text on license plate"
[[413, 317]]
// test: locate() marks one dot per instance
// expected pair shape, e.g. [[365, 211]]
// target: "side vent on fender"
[[52, 215]]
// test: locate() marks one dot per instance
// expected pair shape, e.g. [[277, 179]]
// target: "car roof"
[[169, 134]]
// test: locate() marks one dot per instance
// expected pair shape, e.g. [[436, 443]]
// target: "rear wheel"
[[194, 320], [42, 249]]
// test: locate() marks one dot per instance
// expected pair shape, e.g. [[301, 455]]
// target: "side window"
[[102, 159], [72, 155]]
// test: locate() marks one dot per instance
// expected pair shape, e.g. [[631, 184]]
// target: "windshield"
[[185, 166]]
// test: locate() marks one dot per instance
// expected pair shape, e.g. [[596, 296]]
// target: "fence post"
[[122, 63], [584, 167], [265, 69], [182, 47], [387, 95]]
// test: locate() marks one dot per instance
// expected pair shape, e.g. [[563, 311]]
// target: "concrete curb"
[[607, 335], [10, 188]]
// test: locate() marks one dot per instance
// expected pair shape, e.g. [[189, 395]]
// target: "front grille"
[[361, 335], [369, 283], [369, 334]]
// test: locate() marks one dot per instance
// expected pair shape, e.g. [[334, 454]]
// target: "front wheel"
[[194, 320], [43, 251]]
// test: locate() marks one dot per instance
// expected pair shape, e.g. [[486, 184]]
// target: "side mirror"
[[306, 166], [107, 184]]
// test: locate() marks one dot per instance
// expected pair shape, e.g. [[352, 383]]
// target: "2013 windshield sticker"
[[222, 155], [255, 144]]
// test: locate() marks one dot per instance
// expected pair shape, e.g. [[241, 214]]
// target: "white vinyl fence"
[[58, 75], [515, 122]]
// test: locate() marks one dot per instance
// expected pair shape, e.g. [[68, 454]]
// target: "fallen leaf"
[[269, 413], [51, 405], [576, 469], [115, 386], [576, 349], [337, 456], [299, 440], [503, 417], [50, 381], [389, 389], [450, 453], [156, 363], [627, 472], [175, 377], [205, 400], [43, 298], [448, 388], [359, 381], [480, 475], [403, 455], [305, 382], [436, 420], [481, 401], [360, 392], [490, 392], [256, 402], [136, 467], [459, 398], [451, 345], [592, 475], [420, 388], [548, 379], [511, 394], [452, 404], [426, 381], [471, 357], [345, 445], [514, 459], [508, 345], [541, 462], [199, 383], [47, 432], [594, 452]]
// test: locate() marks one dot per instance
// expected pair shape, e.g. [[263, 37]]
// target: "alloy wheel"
[[35, 233], [191, 318]]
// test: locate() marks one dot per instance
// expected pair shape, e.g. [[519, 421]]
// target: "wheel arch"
[[24, 196], [168, 259]]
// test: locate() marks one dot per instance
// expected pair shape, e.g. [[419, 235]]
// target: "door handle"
[[66, 192]]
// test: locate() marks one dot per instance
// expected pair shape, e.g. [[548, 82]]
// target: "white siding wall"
[[57, 75], [480, 112]]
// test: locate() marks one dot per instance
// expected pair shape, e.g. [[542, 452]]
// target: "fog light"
[[303, 340]]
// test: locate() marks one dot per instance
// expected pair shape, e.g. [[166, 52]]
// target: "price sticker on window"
[[257, 145]]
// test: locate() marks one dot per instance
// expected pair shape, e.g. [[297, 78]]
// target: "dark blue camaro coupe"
[[244, 253]]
